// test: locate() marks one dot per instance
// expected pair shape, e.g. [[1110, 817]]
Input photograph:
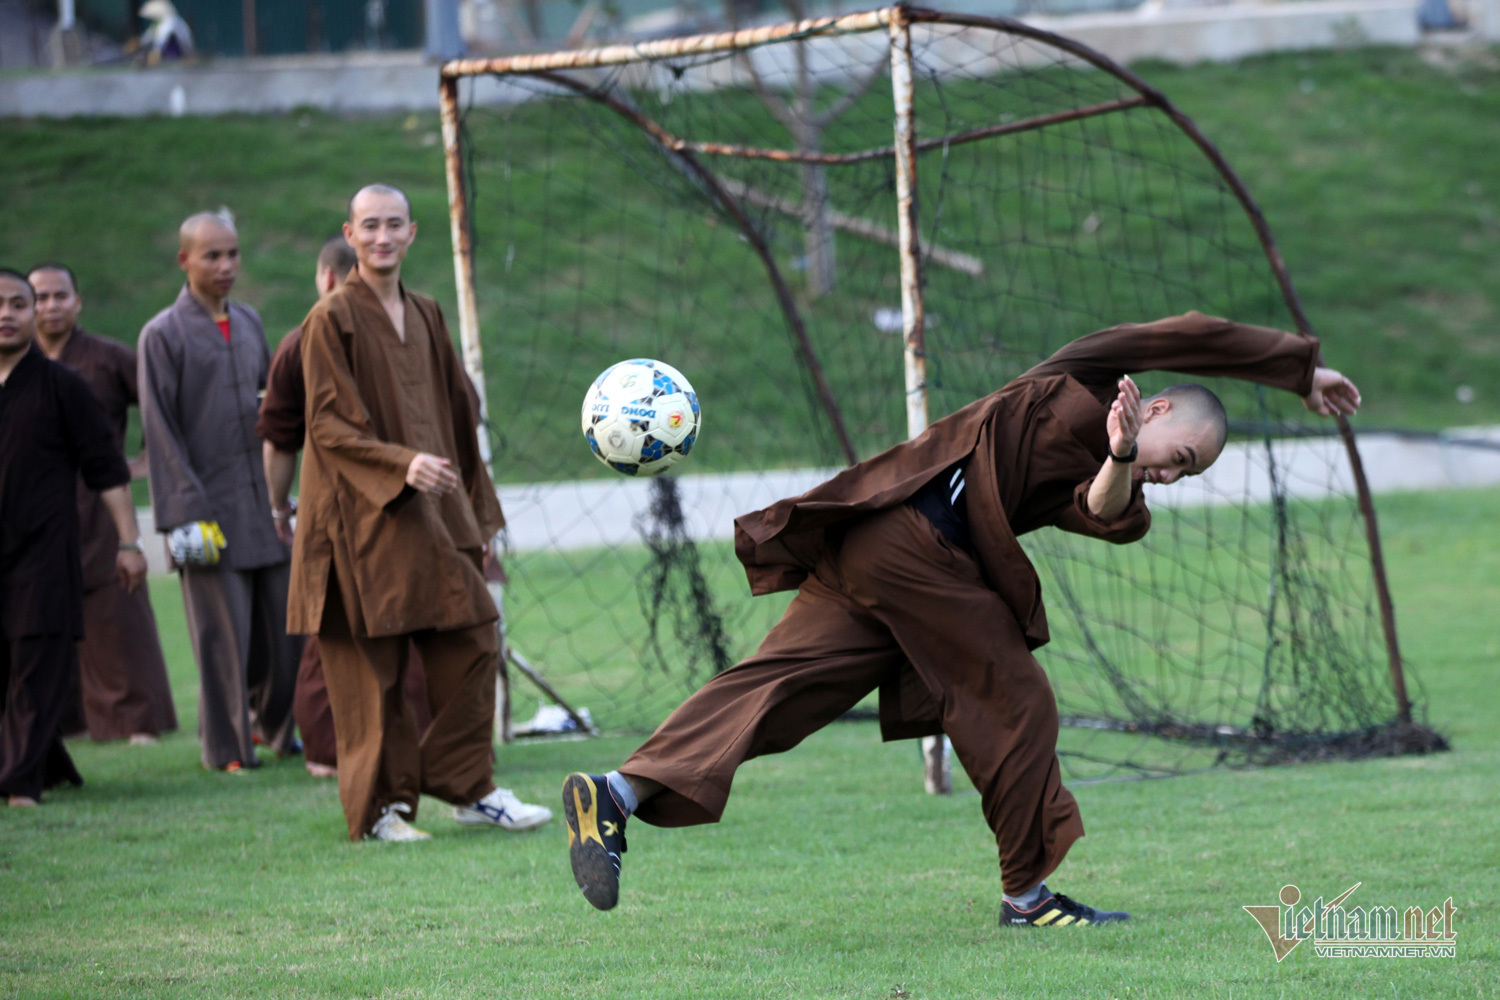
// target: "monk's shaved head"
[[18, 281], [202, 224], [337, 256], [210, 257], [1197, 405], [377, 189]]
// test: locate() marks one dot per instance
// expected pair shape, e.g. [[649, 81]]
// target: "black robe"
[[52, 431]]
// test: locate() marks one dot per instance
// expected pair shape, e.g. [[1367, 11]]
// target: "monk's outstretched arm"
[[1192, 344]]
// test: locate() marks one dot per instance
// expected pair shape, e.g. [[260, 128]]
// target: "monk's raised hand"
[[1124, 423], [1331, 394], [431, 474]]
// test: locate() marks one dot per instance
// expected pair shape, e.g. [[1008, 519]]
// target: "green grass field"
[[832, 875]]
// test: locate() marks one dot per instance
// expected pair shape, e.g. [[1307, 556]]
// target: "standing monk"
[[397, 514], [910, 580], [52, 431], [203, 364], [124, 675], [283, 427]]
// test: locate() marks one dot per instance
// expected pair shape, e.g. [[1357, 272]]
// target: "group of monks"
[[909, 576], [364, 619]]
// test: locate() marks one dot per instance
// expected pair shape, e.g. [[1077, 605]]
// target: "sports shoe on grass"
[[393, 827], [1057, 910], [596, 837], [501, 808]]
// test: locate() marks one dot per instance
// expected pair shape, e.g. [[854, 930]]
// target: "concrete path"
[[566, 516]]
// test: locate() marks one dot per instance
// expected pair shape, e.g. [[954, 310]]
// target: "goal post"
[[1007, 191]]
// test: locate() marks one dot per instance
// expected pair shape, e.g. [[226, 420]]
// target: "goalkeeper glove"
[[197, 544]]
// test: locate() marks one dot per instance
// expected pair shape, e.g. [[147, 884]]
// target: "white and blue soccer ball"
[[641, 417]]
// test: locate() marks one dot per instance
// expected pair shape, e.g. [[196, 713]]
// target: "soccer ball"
[[640, 417]]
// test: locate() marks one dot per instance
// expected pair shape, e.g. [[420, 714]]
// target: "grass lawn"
[[832, 875]]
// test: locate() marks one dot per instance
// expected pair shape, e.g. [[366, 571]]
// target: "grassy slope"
[[832, 874], [1371, 167]]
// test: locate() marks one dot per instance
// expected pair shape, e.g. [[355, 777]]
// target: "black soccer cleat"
[[1057, 910], [596, 837]]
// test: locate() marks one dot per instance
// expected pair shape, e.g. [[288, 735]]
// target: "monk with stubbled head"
[[397, 511], [203, 364]]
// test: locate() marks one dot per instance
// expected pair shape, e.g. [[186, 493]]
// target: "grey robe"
[[200, 398]]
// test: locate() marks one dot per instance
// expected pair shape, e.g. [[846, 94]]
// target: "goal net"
[[733, 205]]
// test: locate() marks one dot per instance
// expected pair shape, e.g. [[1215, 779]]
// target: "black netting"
[[1244, 626]]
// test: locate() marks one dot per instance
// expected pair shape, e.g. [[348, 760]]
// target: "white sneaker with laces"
[[501, 808], [392, 826]]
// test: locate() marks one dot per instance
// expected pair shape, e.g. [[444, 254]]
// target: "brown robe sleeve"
[[1193, 344], [283, 417], [1130, 526], [337, 419]]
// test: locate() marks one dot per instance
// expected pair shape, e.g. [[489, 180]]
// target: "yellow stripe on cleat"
[[1044, 921], [588, 819], [1082, 921], [1065, 921]]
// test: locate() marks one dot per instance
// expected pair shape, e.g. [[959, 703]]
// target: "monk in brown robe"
[[123, 674], [397, 513], [283, 428], [910, 581], [52, 431], [203, 363]]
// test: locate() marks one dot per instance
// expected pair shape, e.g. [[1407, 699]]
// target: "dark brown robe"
[[52, 431], [886, 602], [1033, 449], [283, 422], [200, 396], [378, 566], [122, 670]]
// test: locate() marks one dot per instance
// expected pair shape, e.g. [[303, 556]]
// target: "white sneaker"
[[501, 808], [391, 826]]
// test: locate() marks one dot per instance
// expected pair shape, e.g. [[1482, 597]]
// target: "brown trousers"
[[36, 673], [315, 717], [895, 591], [382, 760], [123, 674], [247, 664]]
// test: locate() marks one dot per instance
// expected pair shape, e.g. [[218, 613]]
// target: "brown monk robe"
[[125, 693], [283, 426], [886, 601], [203, 362], [378, 564]]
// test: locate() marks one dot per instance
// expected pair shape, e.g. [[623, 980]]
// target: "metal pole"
[[247, 19], [936, 776], [908, 227], [67, 15], [463, 252]]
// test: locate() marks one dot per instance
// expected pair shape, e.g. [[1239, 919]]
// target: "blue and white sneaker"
[[501, 808]]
